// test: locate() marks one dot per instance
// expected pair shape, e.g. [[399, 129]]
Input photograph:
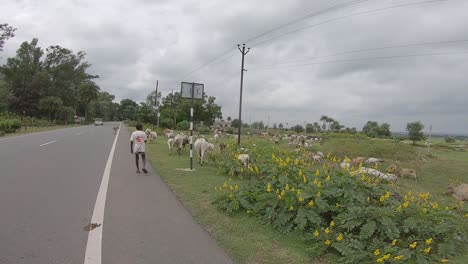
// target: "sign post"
[[191, 91]]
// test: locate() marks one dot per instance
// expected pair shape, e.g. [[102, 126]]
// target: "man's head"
[[139, 127]]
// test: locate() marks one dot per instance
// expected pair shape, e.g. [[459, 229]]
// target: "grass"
[[30, 129], [243, 237], [248, 241]]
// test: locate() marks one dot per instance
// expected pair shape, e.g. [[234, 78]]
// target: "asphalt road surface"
[[49, 185]]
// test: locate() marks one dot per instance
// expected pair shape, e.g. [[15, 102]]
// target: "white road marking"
[[48, 143], [94, 246], [78, 134]]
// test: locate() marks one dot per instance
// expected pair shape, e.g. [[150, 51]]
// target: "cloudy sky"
[[290, 76]]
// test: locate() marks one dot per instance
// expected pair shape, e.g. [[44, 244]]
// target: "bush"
[[9, 125], [183, 125], [450, 140], [359, 218]]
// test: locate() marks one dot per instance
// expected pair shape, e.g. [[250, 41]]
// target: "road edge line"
[[93, 253]]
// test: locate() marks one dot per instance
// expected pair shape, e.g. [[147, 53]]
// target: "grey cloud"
[[131, 44]]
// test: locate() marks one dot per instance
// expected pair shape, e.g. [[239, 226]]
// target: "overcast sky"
[[131, 44]]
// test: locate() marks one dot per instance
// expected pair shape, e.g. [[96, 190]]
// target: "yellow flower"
[[237, 187], [291, 208], [283, 193], [231, 187], [225, 184], [311, 203], [269, 187], [287, 187], [319, 194], [399, 257], [377, 252], [327, 230], [406, 204], [339, 237], [424, 210], [316, 233], [368, 198], [387, 256], [242, 169], [301, 173], [292, 189], [277, 191], [304, 179], [279, 197], [300, 199], [332, 223], [231, 195], [394, 242], [249, 211], [399, 208], [328, 178], [427, 250], [428, 241], [317, 172], [319, 184], [380, 260], [444, 260], [435, 205], [413, 245], [327, 242]]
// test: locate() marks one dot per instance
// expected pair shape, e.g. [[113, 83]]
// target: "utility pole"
[[241, 84], [156, 112], [430, 136]]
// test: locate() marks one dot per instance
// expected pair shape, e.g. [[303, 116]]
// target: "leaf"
[[301, 219], [367, 230]]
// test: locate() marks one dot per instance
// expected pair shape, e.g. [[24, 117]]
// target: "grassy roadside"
[[29, 130], [243, 237]]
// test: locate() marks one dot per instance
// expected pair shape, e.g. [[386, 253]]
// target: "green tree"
[[327, 121], [371, 129], [128, 110], [6, 32], [384, 130], [87, 91], [5, 95], [258, 125], [235, 123], [335, 126], [298, 128], [51, 105], [310, 128], [25, 78], [275, 126], [280, 126], [415, 131]]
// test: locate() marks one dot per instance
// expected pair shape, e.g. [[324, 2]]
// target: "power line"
[[364, 59], [369, 49], [342, 17], [333, 8]]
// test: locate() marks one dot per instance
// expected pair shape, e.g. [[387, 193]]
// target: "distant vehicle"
[[98, 122]]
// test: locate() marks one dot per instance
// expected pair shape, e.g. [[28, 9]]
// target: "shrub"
[[450, 140], [9, 125], [359, 218], [183, 125]]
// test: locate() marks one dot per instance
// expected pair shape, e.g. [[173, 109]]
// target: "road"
[[49, 185]]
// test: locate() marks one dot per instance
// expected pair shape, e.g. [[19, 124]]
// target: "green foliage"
[[450, 140], [372, 129], [6, 32], [183, 125], [345, 212], [297, 128], [415, 131], [9, 123]]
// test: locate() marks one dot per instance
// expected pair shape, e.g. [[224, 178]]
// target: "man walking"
[[137, 146]]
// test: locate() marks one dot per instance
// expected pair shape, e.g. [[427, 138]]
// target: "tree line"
[[57, 84]]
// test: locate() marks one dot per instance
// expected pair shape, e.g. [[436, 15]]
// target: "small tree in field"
[[415, 131]]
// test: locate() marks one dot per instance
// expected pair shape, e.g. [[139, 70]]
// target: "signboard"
[[186, 90]]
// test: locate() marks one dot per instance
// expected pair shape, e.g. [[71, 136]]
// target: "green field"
[[34, 129], [248, 241]]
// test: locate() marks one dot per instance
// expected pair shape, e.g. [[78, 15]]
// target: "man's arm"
[[131, 146]]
